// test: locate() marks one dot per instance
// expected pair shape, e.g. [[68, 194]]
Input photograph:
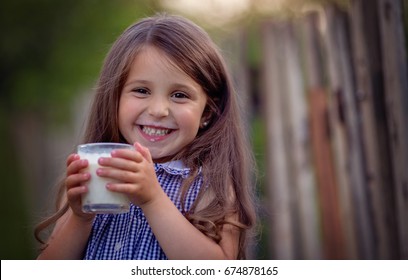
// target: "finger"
[[74, 193], [139, 194], [119, 163], [122, 188], [118, 175], [143, 151], [127, 154], [76, 180], [71, 158], [76, 166]]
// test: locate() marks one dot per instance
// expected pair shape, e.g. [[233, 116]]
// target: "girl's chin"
[[158, 156], [163, 159]]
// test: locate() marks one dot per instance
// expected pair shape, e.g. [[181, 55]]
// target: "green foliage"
[[53, 49], [259, 145], [14, 236]]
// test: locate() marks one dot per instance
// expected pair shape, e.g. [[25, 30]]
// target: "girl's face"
[[161, 107]]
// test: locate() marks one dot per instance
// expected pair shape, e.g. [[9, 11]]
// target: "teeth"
[[155, 131]]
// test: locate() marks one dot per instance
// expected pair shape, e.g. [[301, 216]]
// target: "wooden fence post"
[[370, 102], [299, 141], [396, 99], [280, 211], [343, 89], [332, 222]]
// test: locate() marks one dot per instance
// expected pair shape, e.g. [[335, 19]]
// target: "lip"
[[155, 138]]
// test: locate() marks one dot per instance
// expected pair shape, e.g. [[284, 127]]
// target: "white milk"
[[99, 199]]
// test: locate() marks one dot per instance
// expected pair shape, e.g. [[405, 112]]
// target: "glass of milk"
[[99, 199]]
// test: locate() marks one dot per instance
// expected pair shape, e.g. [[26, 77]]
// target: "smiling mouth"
[[155, 131]]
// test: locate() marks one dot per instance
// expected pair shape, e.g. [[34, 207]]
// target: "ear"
[[203, 124], [205, 118]]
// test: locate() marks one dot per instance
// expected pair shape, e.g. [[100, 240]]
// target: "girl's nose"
[[159, 107]]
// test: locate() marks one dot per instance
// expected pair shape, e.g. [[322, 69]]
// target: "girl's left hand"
[[135, 171]]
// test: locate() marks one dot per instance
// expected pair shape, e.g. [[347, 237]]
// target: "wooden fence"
[[335, 101]]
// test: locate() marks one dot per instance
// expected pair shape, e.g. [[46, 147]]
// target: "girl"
[[164, 88]]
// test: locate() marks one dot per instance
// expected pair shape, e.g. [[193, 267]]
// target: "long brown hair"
[[221, 149]]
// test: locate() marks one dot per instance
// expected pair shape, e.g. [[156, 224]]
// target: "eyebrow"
[[128, 83], [175, 85]]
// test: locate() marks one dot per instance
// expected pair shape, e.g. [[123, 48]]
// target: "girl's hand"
[[135, 171], [75, 184]]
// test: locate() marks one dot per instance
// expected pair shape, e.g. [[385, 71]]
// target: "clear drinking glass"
[[99, 199]]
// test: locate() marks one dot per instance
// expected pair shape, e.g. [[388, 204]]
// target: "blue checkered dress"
[[128, 235]]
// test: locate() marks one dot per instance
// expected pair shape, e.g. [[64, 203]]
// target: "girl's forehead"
[[151, 63], [157, 55], [152, 55]]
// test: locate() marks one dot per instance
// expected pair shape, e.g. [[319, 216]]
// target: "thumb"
[[144, 151]]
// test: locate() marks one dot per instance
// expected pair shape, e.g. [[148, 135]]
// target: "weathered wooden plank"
[[396, 97], [297, 122], [313, 51], [279, 191], [370, 101], [338, 130], [332, 224], [333, 239], [342, 59]]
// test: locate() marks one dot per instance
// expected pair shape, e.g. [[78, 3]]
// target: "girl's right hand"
[[75, 184]]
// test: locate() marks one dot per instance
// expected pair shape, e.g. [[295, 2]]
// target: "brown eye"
[[179, 95], [140, 91]]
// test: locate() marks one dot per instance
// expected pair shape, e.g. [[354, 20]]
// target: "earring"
[[204, 124]]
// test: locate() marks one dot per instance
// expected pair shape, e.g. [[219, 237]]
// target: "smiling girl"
[[164, 88]]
